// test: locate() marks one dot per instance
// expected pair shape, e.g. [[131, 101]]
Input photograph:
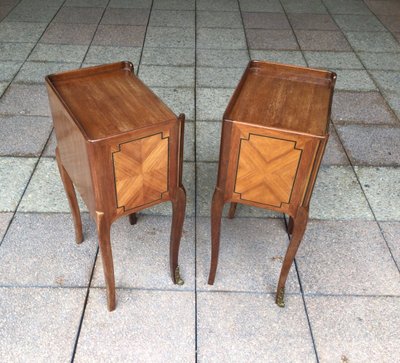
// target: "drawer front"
[[267, 169], [141, 171]]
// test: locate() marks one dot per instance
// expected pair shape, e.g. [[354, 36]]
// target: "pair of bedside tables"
[[122, 148]]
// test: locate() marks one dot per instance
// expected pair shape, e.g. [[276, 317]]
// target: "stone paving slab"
[[380, 184], [354, 80], [58, 53], [141, 254], [60, 263], [322, 40], [120, 35], [263, 20], [166, 37], [8, 69], [380, 144], [217, 77], [355, 329], [125, 16], [343, 257], [99, 54], [147, 326], [15, 51], [222, 5], [379, 61], [347, 7], [210, 102], [24, 135], [334, 152], [306, 21], [60, 33], [220, 38], [333, 60], [14, 175], [172, 18], [281, 56], [221, 57], [179, 100], [39, 324], [271, 39], [391, 232], [247, 261], [78, 15], [373, 41], [21, 32], [5, 219], [168, 57], [159, 76], [237, 327], [271, 6]]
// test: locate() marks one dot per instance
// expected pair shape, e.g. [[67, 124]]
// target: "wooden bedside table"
[[274, 134], [122, 149]]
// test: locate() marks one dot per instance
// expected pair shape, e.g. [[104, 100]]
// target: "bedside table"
[[274, 134], [122, 149]]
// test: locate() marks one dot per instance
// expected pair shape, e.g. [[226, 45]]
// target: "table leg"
[[216, 215], [103, 230], [290, 225], [71, 195], [178, 216], [232, 210], [299, 227]]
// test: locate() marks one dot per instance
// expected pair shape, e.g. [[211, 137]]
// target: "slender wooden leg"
[[216, 215], [178, 216], [232, 210], [290, 225], [299, 227], [103, 230], [133, 219], [71, 195]]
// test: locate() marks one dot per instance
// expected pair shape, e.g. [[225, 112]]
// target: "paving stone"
[[125, 4], [347, 7], [217, 77], [15, 173], [379, 61], [373, 41], [337, 60], [37, 2], [387, 81], [208, 138], [86, 3], [272, 6], [365, 107], [355, 329], [360, 23], [138, 318], [334, 153], [45, 192], [346, 257], [322, 40], [50, 148], [159, 76], [380, 144], [24, 136], [8, 70], [221, 5], [119, 35], [35, 72], [79, 15], [4, 10], [168, 56], [3, 87], [312, 22], [58, 53], [174, 4], [265, 21], [206, 181], [380, 185], [386, 8], [218, 19], [101, 54], [172, 18], [189, 142], [39, 324], [58, 33], [15, 51], [222, 57], [165, 37], [288, 57], [125, 16], [232, 328], [61, 262], [141, 254], [25, 100], [211, 102], [394, 102], [392, 22], [337, 195], [248, 261], [179, 100], [354, 80], [271, 39], [29, 13], [21, 32], [214, 38], [5, 219], [391, 232], [304, 6]]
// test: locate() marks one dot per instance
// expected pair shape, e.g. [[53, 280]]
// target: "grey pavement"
[[343, 292]]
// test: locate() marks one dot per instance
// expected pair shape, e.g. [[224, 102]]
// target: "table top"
[[108, 100], [283, 97]]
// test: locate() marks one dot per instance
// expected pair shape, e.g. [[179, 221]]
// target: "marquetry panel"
[[141, 171], [267, 169]]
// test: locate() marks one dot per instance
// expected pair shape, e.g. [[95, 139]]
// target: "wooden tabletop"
[[108, 100], [283, 97]]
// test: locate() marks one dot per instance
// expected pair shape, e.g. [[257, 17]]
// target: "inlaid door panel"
[[141, 171]]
